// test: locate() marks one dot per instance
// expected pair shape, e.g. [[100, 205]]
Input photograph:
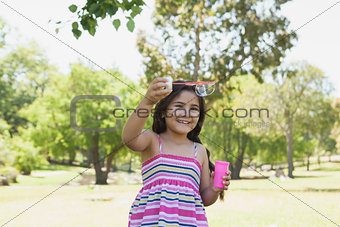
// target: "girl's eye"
[[190, 109]]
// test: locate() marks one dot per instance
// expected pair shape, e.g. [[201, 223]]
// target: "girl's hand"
[[226, 181], [156, 91]]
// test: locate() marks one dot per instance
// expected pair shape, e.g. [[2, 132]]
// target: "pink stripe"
[[171, 203], [152, 211], [168, 188], [167, 210], [173, 162], [170, 182], [198, 217], [194, 184], [176, 210], [172, 189], [171, 156]]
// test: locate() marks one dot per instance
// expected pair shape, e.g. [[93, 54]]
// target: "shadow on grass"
[[266, 177], [321, 190], [327, 169], [297, 177], [290, 190], [252, 178], [54, 167]]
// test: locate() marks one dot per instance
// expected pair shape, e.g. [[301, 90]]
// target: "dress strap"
[[195, 150], [160, 144]]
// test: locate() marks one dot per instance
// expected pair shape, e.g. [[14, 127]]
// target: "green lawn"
[[312, 199]]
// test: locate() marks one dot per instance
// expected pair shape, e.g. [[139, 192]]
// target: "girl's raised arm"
[[132, 134]]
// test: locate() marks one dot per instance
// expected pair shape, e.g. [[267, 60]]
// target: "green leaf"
[[72, 8], [58, 22], [93, 7], [112, 10], [75, 25], [116, 24], [136, 9], [84, 22], [98, 12], [76, 33], [57, 30], [130, 25], [139, 2], [92, 30]]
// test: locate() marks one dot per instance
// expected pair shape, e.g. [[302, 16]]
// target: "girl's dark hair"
[[159, 125]]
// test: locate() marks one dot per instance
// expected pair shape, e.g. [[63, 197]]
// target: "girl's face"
[[183, 112]]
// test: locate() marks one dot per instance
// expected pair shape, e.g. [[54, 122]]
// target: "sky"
[[318, 41]]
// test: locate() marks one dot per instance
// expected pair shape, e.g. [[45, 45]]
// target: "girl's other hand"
[[156, 91], [226, 181]]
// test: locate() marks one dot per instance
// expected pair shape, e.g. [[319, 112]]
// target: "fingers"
[[227, 179], [156, 89], [226, 183], [160, 79], [162, 92], [158, 85]]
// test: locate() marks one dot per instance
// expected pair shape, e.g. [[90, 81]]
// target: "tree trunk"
[[197, 49], [111, 156], [289, 140], [71, 156], [308, 163], [114, 167], [100, 175], [241, 149], [89, 156], [130, 165]]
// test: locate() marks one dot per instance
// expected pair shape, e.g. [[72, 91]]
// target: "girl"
[[176, 170]]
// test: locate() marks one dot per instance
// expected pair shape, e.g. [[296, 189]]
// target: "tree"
[[212, 40], [24, 73], [6, 156], [299, 102], [335, 133], [92, 11], [3, 32], [50, 114]]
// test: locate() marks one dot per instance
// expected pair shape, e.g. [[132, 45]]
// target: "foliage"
[[3, 32], [24, 73], [26, 156], [212, 40], [10, 173], [50, 114], [6, 156], [89, 14], [299, 104]]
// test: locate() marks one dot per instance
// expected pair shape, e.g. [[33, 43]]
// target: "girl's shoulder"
[[153, 148], [152, 135], [201, 153]]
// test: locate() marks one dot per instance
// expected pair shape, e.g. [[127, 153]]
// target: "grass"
[[311, 199]]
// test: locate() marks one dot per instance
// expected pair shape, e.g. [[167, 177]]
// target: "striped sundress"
[[170, 193]]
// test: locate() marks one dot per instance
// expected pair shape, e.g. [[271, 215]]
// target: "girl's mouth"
[[183, 122]]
